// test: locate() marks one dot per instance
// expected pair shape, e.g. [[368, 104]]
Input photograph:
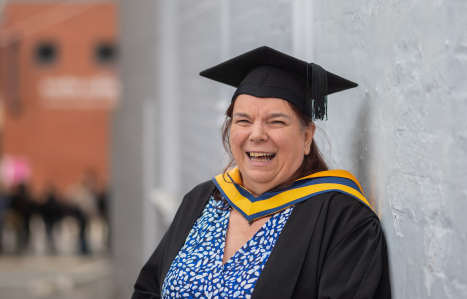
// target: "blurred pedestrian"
[[4, 205], [21, 207], [51, 212], [82, 200], [103, 205]]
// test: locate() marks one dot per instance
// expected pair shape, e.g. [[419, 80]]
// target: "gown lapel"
[[280, 274]]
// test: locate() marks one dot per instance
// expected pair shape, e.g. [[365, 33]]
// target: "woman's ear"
[[308, 134]]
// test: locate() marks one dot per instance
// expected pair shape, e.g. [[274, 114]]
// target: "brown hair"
[[312, 163]]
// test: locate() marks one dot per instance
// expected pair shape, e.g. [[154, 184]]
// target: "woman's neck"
[[257, 189]]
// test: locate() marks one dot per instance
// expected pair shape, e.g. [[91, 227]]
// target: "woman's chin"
[[259, 180]]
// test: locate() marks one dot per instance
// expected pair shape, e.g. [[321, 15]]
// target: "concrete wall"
[[134, 227], [402, 132]]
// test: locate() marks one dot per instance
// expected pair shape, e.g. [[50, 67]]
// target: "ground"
[[36, 273]]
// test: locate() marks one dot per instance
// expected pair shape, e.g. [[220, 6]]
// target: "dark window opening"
[[46, 53], [106, 53]]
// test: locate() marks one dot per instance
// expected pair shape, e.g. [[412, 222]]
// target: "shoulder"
[[344, 216], [341, 205], [337, 215]]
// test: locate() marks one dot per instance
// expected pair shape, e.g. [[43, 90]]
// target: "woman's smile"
[[267, 142], [261, 157]]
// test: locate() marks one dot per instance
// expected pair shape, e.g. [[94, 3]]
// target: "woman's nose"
[[258, 132]]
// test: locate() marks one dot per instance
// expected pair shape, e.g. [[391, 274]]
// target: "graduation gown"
[[332, 246]]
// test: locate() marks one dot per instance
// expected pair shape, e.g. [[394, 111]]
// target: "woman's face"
[[267, 142]]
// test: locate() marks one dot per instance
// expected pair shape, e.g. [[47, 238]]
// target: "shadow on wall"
[[362, 151]]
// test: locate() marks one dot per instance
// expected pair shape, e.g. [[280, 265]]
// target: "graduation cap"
[[268, 73]]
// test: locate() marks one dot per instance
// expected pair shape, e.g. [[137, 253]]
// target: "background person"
[[82, 205], [4, 205], [22, 207], [52, 213]]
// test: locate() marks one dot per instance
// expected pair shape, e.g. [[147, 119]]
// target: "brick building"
[[58, 86]]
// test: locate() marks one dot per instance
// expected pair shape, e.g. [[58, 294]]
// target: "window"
[[106, 53], [46, 53]]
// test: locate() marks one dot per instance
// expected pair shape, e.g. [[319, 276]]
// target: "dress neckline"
[[241, 249]]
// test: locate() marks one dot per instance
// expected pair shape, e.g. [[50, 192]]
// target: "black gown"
[[332, 246]]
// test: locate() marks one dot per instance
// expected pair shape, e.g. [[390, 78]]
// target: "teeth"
[[261, 154], [260, 160], [253, 156]]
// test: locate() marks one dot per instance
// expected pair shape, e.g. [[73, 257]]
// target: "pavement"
[[53, 277], [37, 273]]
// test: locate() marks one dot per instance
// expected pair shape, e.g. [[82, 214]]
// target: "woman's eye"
[[242, 121], [278, 122]]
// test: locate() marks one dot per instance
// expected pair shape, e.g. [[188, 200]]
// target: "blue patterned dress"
[[198, 272]]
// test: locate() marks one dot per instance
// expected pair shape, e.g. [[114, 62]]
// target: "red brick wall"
[[59, 143]]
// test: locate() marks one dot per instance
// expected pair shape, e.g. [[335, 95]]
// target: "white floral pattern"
[[198, 272]]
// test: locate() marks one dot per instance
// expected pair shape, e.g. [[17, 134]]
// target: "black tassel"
[[317, 95]]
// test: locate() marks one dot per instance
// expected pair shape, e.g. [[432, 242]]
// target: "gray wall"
[[402, 132], [134, 226]]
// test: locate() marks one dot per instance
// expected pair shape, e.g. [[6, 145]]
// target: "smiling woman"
[[279, 224], [267, 127]]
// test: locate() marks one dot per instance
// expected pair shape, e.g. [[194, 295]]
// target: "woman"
[[279, 224]]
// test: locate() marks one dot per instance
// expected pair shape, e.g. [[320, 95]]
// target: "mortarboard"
[[268, 73]]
